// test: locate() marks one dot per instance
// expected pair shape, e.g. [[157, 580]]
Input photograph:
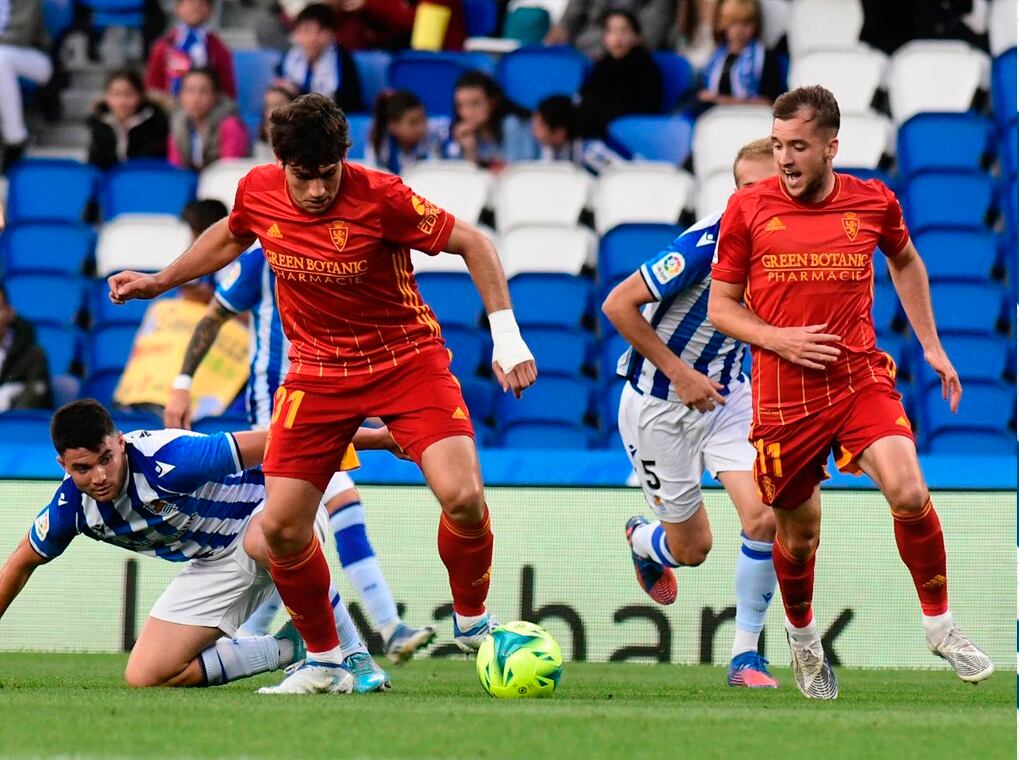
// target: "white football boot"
[[968, 662], [312, 677], [813, 675]]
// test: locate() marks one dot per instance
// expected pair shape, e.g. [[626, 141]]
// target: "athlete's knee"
[[760, 526], [284, 535], [907, 497], [138, 676], [693, 552], [463, 502], [800, 542]]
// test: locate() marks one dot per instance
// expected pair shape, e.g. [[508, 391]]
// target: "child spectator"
[[23, 53], [488, 129], [205, 126], [188, 45], [24, 373], [624, 80], [274, 97], [741, 70], [402, 134], [556, 128], [316, 62], [125, 124]]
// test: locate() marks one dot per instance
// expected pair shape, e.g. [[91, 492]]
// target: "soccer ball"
[[519, 659]]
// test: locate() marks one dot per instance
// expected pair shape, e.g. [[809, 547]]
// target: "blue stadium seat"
[[147, 187], [957, 254], [947, 199], [612, 347], [452, 296], [225, 423], [254, 71], [102, 312], [972, 442], [360, 131], [1010, 206], [468, 347], [546, 435], [553, 399], [1003, 87], [967, 306], [559, 352], [977, 358], [678, 78], [530, 74], [101, 387], [887, 308], [46, 299], [373, 71], [943, 141], [25, 426], [608, 404], [32, 196], [51, 247], [61, 345], [128, 421], [125, 13], [58, 15], [1009, 162], [482, 17], [479, 395], [866, 173], [109, 349], [653, 138], [985, 407], [625, 247], [431, 76], [550, 300]]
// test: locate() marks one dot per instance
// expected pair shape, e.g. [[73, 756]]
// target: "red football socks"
[[303, 582], [466, 551], [796, 581], [922, 547]]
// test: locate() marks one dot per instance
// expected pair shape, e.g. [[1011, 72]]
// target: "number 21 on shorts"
[[766, 452], [293, 403]]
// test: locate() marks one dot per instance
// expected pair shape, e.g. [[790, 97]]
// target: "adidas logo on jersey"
[[459, 414], [774, 225], [274, 232]]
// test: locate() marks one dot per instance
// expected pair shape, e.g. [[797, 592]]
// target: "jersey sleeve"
[[241, 288], [239, 221], [893, 226], [686, 261], [412, 221], [55, 525], [183, 462], [734, 245]]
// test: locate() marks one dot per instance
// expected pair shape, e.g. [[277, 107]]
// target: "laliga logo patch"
[[338, 234], [670, 267], [851, 225], [42, 525], [232, 274]]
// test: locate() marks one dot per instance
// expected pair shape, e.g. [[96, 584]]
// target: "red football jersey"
[[809, 264], [345, 287]]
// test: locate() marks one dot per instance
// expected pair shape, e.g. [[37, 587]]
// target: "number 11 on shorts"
[[766, 451], [293, 400]]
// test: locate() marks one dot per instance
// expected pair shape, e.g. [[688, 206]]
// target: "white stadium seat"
[[540, 193], [218, 181], [1002, 26], [934, 75], [775, 19], [640, 192], [864, 138], [448, 262], [145, 242], [547, 249], [853, 76], [823, 25], [714, 192], [721, 132], [460, 187]]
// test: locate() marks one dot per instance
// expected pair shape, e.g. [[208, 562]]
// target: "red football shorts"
[[314, 420], [791, 458]]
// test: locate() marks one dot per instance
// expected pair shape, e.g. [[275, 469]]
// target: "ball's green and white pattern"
[[520, 659]]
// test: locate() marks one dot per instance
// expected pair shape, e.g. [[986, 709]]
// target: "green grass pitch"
[[75, 705]]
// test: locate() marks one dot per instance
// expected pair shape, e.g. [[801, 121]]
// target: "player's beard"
[[812, 189]]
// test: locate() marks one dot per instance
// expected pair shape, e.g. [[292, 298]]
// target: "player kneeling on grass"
[[686, 408], [187, 498]]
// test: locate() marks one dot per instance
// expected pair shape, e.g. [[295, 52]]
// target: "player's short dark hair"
[[317, 13], [200, 215], [82, 424], [819, 101], [560, 112], [628, 16], [309, 132]]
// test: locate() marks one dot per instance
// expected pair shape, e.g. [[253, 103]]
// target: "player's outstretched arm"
[[512, 361], [16, 571], [177, 413], [213, 250], [909, 276]]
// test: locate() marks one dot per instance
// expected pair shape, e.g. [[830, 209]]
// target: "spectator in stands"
[[23, 53], [24, 372], [583, 20], [274, 97], [695, 30], [556, 128], [188, 45], [742, 70], [317, 63], [488, 128], [205, 126], [360, 24], [402, 134], [438, 25], [125, 124], [624, 80]]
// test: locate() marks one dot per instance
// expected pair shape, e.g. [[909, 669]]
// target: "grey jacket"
[[24, 26], [582, 18]]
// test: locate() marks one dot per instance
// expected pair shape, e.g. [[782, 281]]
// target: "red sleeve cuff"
[[728, 275]]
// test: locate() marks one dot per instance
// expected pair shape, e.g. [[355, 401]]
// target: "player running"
[[250, 286], [798, 250], [186, 498], [363, 343], [686, 408]]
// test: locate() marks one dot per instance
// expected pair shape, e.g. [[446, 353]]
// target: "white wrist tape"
[[182, 383], [509, 348]]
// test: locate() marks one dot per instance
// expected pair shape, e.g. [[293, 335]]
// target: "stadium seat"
[[678, 78], [127, 422], [528, 75], [146, 187], [103, 312], [972, 442], [224, 423], [547, 435], [943, 141], [947, 199], [1010, 209], [547, 249], [360, 125], [554, 399], [430, 76], [1009, 142], [866, 174], [934, 75], [977, 358], [61, 345], [550, 300], [468, 346], [624, 248], [652, 138], [109, 348], [853, 76], [442, 262], [460, 187], [559, 352], [640, 193], [25, 426], [254, 71], [479, 395], [612, 347], [722, 131], [823, 25], [864, 140], [887, 309], [957, 254], [101, 387], [539, 193], [31, 195], [1003, 87], [46, 299], [58, 16], [967, 306], [47, 247], [608, 404], [482, 17], [119, 13], [775, 21], [452, 297], [1001, 25], [145, 242], [713, 192], [987, 406], [218, 181], [373, 71]]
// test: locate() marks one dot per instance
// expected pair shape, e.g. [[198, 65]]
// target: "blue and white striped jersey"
[[678, 278], [250, 285], [187, 496]]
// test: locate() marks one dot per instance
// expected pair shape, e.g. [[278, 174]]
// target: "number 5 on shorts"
[[294, 400], [773, 450]]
